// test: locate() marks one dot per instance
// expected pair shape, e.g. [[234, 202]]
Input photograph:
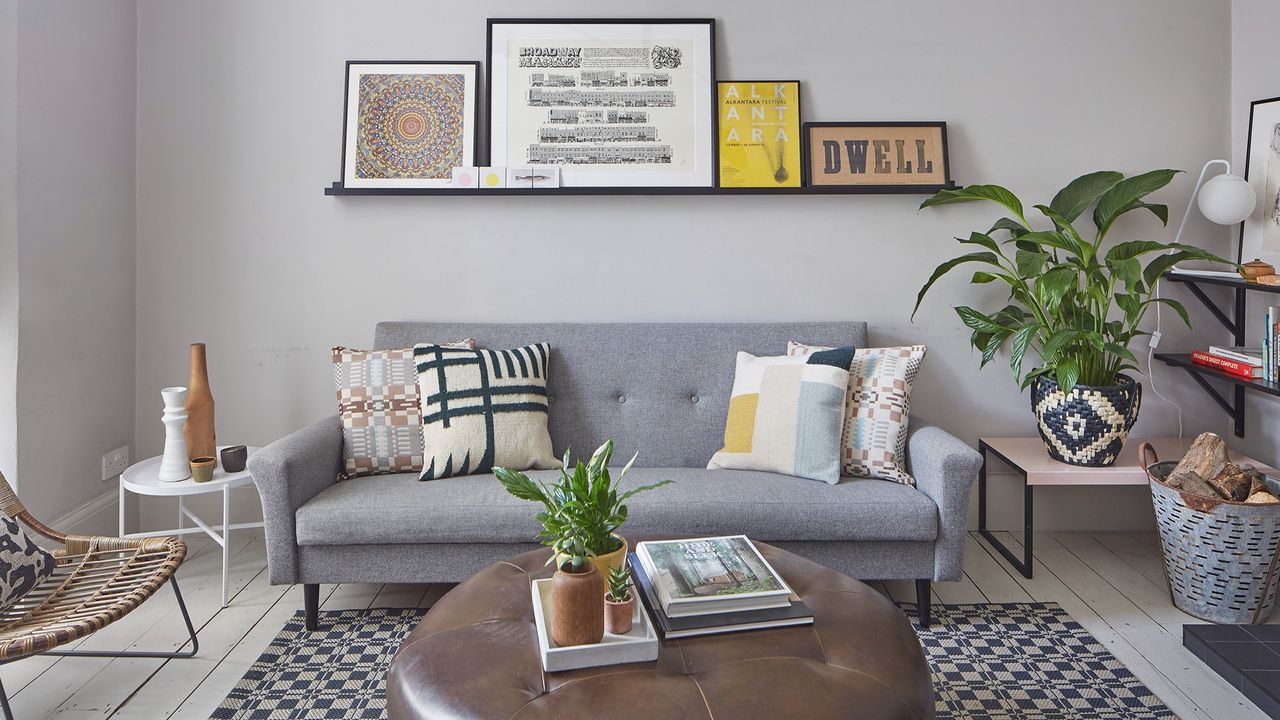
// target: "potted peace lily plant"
[[581, 514], [1075, 301]]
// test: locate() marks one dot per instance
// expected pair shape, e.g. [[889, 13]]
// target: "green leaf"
[[992, 193], [1119, 351], [1160, 265], [1177, 307], [1067, 372], [1128, 271], [977, 321], [1014, 227], [1160, 211], [1083, 192], [992, 347], [1130, 304], [1053, 285], [986, 241], [986, 257], [982, 278], [1056, 342], [1030, 263], [1050, 238], [1021, 341], [1121, 198], [1134, 248]]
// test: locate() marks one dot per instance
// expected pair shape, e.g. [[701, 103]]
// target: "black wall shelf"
[[338, 189], [1233, 322]]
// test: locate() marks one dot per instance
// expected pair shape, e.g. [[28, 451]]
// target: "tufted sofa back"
[[659, 389]]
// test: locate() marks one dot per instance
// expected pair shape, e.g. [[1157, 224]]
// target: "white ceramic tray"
[[639, 645]]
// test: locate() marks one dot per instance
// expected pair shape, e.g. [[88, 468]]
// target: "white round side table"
[[143, 479]]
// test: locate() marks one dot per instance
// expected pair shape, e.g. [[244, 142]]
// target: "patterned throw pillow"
[[23, 564], [378, 404], [784, 415], [877, 410], [483, 408]]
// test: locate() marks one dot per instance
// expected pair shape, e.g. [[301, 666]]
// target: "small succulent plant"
[[619, 584]]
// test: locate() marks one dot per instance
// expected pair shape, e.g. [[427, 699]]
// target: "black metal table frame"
[[1024, 565]]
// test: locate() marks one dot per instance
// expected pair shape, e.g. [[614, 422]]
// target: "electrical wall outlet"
[[115, 462]]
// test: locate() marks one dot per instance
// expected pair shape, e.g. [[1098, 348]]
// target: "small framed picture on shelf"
[[759, 128], [408, 124], [1260, 232], [613, 103], [906, 157]]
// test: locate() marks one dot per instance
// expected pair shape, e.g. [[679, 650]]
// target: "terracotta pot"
[[198, 432], [617, 615], [617, 558], [577, 615]]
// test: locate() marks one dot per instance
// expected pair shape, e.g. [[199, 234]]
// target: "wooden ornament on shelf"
[[199, 430]]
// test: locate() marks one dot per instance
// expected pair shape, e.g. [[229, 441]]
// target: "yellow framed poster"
[[759, 133]]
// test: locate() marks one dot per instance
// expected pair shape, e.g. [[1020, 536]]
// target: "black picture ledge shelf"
[[1235, 323], [339, 190]]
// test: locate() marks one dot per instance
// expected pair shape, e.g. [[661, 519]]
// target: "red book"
[[1228, 366]]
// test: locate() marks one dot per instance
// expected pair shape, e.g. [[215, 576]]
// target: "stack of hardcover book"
[[1242, 362], [1271, 345], [705, 586]]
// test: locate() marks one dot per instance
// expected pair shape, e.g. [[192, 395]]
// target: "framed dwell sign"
[[906, 156]]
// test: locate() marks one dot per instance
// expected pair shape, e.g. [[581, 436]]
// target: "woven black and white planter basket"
[[1088, 425]]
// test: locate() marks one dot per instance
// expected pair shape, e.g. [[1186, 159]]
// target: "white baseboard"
[[85, 518]]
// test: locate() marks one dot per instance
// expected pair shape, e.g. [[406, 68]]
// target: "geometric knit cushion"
[[378, 404], [785, 415], [483, 409], [877, 411], [23, 564]]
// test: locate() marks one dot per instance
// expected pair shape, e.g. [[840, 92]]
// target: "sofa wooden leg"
[[924, 595], [311, 604]]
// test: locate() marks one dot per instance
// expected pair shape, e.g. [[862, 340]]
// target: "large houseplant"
[[1074, 301], [581, 514]]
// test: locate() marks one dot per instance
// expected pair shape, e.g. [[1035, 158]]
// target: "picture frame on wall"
[[1260, 232], [759, 132], [893, 157], [612, 102], [407, 124]]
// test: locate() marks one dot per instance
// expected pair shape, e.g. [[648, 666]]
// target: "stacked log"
[[1206, 470]]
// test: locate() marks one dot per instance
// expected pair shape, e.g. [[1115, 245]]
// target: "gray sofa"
[[661, 390]]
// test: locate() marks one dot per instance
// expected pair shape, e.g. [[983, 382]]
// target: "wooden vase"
[[577, 615], [617, 615], [198, 431]]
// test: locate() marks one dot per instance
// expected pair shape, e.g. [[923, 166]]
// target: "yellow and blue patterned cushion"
[[785, 415], [877, 410]]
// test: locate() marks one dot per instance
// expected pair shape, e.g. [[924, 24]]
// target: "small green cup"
[[202, 469]]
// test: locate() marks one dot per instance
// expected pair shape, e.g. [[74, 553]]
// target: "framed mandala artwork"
[[408, 124], [612, 103]]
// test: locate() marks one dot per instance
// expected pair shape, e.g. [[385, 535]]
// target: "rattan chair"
[[97, 581]]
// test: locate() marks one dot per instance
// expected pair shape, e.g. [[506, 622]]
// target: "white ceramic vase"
[[174, 464]]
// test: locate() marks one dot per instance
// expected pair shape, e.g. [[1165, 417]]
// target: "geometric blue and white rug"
[[1014, 661]]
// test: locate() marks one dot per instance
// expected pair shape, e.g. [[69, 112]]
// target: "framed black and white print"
[[613, 103], [408, 124], [1260, 233]]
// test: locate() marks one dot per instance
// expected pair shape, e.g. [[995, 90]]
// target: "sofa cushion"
[[764, 506]]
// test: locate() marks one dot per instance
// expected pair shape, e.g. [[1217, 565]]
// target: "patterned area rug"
[[1003, 662]]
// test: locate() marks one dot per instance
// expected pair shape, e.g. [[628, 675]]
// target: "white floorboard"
[[1111, 583]]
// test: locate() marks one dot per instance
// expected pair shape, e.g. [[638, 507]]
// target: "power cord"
[[1152, 344]]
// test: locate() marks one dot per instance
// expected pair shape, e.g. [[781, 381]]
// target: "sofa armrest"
[[288, 473], [945, 469]]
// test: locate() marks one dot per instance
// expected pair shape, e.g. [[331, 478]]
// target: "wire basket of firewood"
[[1219, 528]]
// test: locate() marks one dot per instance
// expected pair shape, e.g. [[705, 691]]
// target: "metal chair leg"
[[4, 703], [186, 618]]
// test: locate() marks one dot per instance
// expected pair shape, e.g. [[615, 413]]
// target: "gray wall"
[[239, 117], [1255, 57], [76, 245], [9, 240]]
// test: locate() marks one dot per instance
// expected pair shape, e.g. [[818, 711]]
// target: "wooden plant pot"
[[577, 615], [617, 615]]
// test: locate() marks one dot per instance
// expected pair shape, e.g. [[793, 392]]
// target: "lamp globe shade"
[[1226, 199]]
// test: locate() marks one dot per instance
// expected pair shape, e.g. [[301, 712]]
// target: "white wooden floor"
[[1111, 583]]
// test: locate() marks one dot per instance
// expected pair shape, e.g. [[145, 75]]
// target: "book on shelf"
[[703, 576], [1226, 365], [1247, 355], [795, 613], [1271, 345]]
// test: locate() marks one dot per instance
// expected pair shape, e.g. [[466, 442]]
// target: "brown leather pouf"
[[475, 656]]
